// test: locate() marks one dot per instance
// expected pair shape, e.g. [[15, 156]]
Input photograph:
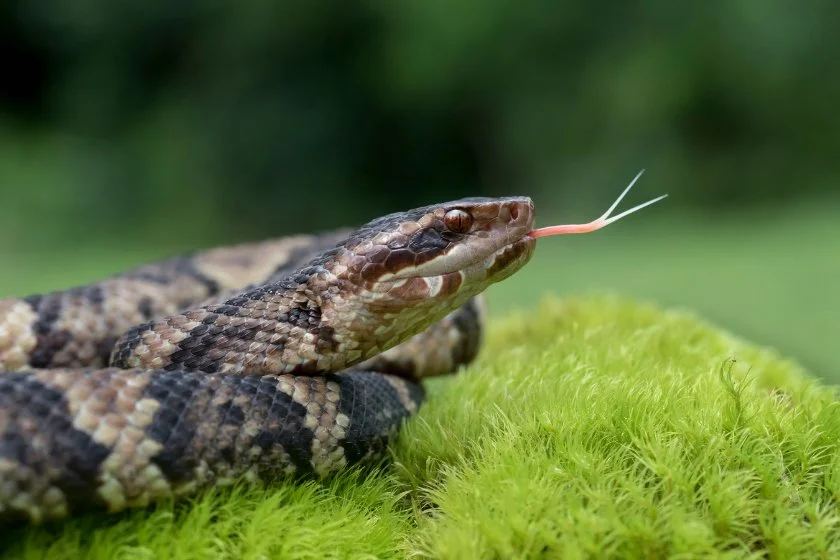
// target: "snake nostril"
[[514, 212]]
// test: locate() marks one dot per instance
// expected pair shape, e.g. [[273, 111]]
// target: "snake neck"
[[312, 322]]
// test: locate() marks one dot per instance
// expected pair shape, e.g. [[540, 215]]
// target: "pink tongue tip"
[[605, 220]]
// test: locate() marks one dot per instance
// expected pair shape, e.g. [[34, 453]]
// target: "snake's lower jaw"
[[509, 259]]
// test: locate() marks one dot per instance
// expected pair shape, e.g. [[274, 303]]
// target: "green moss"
[[607, 426], [594, 426]]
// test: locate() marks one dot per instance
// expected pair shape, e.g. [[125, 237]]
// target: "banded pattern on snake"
[[299, 355]]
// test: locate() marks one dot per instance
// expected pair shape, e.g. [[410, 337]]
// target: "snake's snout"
[[517, 213]]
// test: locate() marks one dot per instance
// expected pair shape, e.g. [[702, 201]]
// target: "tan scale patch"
[[237, 266], [401, 388], [41, 503], [108, 405], [201, 475], [86, 326], [320, 398], [157, 344], [121, 306], [59, 379], [17, 336], [128, 476]]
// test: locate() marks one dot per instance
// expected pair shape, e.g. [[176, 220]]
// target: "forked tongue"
[[597, 224]]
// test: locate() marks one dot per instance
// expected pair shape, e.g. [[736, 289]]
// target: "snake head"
[[477, 238], [408, 270]]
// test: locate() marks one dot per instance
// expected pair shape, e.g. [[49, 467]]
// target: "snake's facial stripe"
[[418, 290]]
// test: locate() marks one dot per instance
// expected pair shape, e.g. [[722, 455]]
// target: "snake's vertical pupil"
[[459, 221]]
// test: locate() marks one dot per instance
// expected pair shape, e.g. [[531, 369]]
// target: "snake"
[[299, 356], [296, 356]]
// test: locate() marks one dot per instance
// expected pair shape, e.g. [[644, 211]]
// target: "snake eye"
[[459, 221]]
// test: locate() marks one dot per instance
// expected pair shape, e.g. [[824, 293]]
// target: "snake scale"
[[295, 356]]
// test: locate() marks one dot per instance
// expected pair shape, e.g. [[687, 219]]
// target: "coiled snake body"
[[297, 355]]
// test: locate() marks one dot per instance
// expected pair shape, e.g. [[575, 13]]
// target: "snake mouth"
[[513, 241], [510, 258]]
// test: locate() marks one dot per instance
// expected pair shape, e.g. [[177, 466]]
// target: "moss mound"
[[591, 427]]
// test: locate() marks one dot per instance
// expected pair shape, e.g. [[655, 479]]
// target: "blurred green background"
[[133, 130]]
